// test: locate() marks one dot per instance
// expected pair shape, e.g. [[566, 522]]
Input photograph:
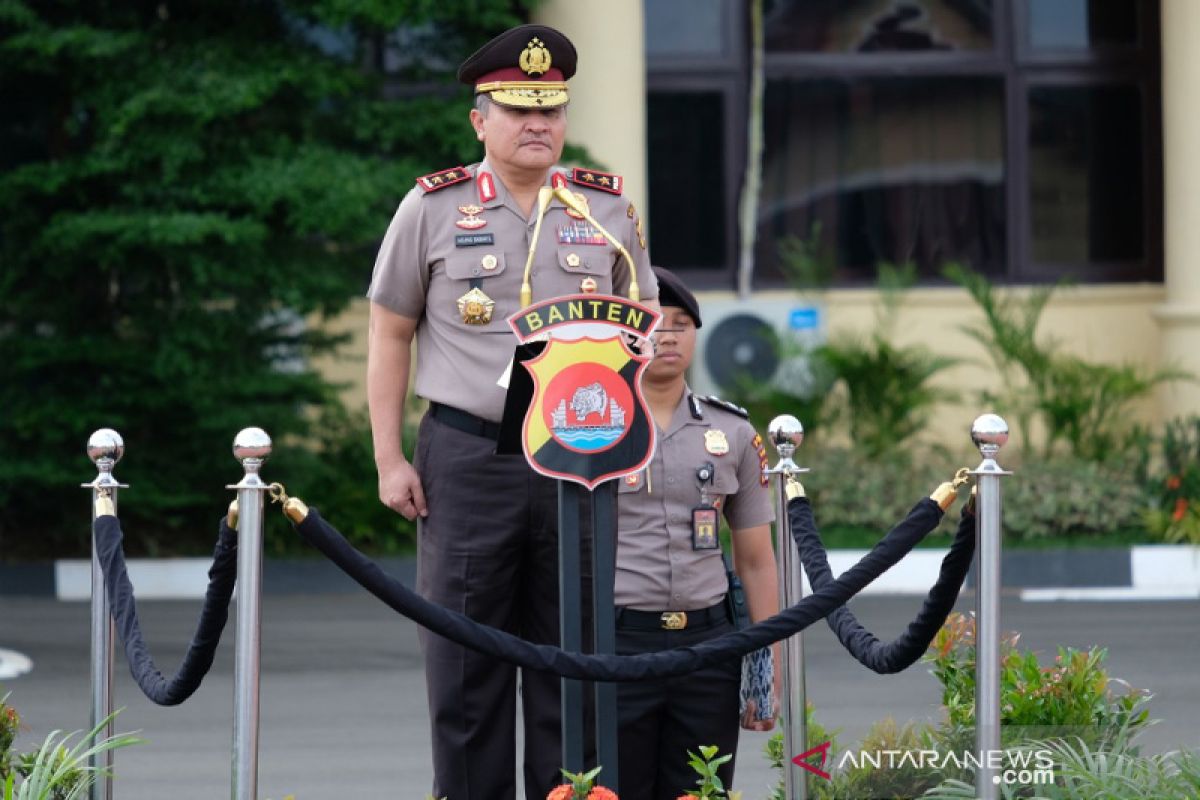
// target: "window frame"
[[1015, 62]]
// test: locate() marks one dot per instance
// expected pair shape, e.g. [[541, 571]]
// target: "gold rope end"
[[792, 489], [104, 506], [295, 510], [944, 495], [231, 516]]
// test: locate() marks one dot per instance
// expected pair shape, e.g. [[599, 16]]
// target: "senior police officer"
[[449, 272], [670, 579]]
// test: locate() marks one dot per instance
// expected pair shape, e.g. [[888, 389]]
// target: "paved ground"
[[343, 703]]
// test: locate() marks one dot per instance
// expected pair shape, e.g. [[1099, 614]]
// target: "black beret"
[[672, 292], [527, 67]]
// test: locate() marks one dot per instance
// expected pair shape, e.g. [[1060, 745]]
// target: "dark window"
[[685, 28], [1085, 174], [687, 186], [890, 169], [876, 26], [1022, 137], [1081, 24]]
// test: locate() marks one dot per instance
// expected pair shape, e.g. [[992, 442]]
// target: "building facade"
[[1033, 142]]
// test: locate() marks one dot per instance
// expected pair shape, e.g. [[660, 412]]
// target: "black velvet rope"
[[459, 628], [904, 650], [199, 657]]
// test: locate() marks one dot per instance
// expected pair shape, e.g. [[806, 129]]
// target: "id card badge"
[[704, 528]]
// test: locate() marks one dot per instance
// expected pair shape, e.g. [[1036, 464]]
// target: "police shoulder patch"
[[440, 180], [732, 408], [605, 182]]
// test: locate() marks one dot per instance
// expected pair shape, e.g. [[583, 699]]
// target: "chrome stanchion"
[[786, 434], [989, 433], [251, 447], [105, 448]]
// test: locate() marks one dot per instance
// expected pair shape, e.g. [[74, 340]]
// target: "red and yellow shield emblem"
[[588, 421]]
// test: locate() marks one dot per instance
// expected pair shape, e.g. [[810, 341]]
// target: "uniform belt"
[[464, 421], [633, 619]]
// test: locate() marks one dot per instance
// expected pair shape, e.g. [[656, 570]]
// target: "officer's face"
[[522, 138], [674, 345]]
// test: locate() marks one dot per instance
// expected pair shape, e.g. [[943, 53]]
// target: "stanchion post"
[[105, 448], [570, 609], [989, 433], [252, 446], [786, 434]]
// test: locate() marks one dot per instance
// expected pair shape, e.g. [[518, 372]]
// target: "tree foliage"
[[183, 184]]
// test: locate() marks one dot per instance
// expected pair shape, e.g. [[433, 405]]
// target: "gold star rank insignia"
[[440, 180], [605, 182]]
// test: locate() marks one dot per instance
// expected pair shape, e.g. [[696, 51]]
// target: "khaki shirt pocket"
[[725, 482], [631, 483], [584, 260], [476, 265]]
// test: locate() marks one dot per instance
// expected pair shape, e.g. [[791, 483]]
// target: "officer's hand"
[[400, 490], [749, 723]]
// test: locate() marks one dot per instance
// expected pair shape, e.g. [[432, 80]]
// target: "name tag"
[[473, 239]]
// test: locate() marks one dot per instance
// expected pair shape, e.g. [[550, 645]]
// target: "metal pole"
[[105, 448], [604, 568], [989, 433], [786, 434], [252, 446], [570, 607]]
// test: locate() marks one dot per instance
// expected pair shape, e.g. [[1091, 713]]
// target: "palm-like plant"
[[59, 770]]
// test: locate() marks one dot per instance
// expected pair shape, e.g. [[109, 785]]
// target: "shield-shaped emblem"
[[588, 421]]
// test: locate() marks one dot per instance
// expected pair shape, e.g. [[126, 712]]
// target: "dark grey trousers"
[[489, 548]]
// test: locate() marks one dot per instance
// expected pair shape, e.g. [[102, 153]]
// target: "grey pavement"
[[343, 701]]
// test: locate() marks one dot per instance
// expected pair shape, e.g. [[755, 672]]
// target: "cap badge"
[[471, 221], [476, 307], [716, 443], [535, 58]]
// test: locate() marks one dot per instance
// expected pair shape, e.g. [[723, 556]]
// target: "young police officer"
[[671, 581], [450, 271]]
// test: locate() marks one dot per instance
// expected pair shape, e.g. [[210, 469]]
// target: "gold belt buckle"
[[674, 620]]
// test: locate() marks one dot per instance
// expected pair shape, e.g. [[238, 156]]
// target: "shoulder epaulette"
[[603, 181], [732, 408], [440, 180]]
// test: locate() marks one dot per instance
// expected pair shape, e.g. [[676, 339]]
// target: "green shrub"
[[1071, 697], [1083, 406], [335, 472], [58, 769], [1085, 773], [1067, 497], [1170, 469]]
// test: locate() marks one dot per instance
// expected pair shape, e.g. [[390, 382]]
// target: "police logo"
[[588, 421]]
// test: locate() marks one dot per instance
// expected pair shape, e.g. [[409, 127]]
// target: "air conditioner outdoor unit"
[[755, 341]]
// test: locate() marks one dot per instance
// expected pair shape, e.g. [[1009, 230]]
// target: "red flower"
[[1181, 506], [602, 793], [564, 792], [1174, 482]]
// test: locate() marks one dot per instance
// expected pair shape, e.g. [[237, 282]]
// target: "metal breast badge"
[[472, 220], [476, 307], [716, 443]]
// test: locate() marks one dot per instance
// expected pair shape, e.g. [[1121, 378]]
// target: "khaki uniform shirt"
[[657, 568], [426, 262]]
